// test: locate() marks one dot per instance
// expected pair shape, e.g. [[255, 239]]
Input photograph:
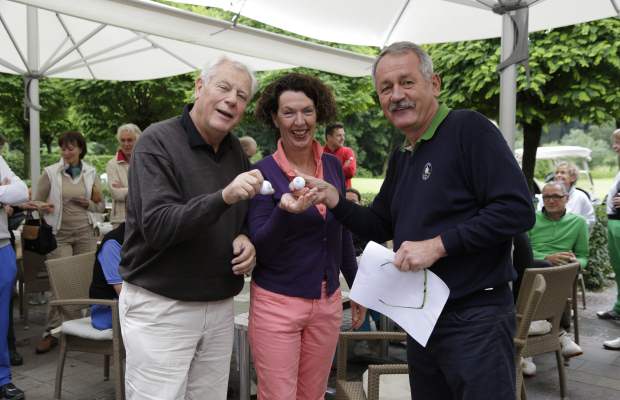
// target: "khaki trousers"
[[176, 350]]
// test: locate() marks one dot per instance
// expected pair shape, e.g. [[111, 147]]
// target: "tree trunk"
[[531, 139]]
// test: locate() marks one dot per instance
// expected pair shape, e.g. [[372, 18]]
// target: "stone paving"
[[593, 376]]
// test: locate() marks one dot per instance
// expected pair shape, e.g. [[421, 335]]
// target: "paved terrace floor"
[[593, 376]]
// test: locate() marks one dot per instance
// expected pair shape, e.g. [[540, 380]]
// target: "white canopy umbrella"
[[138, 39], [379, 23]]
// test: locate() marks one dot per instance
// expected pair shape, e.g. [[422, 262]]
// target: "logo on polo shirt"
[[428, 169]]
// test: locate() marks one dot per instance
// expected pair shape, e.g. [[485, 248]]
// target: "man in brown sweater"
[[185, 252]]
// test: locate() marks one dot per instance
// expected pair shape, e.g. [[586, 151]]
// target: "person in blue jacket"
[[452, 200]]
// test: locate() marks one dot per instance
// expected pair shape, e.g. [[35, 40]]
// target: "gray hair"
[[132, 128], [571, 167], [426, 63], [558, 185], [209, 70], [615, 134]]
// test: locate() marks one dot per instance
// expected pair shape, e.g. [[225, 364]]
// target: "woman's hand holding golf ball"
[[300, 199]]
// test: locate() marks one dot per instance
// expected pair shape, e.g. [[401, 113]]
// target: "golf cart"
[[579, 155]]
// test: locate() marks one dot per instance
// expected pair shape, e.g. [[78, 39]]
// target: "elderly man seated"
[[558, 237]]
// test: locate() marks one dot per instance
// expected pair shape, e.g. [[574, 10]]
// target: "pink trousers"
[[293, 343]]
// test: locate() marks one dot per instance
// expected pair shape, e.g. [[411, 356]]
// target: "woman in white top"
[[578, 202], [70, 191]]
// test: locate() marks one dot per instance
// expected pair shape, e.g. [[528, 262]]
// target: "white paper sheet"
[[380, 286]]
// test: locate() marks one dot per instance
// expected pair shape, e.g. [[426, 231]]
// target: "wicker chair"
[[349, 390], [524, 318], [579, 282], [70, 278], [560, 282]]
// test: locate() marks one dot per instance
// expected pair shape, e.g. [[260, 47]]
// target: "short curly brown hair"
[[73, 138], [317, 91]]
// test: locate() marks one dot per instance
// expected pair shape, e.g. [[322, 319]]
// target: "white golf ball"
[[298, 183], [266, 188]]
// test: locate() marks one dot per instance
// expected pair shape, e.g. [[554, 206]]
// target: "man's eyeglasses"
[[553, 196], [421, 306]]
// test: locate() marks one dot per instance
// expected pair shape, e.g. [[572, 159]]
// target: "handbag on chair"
[[38, 235]]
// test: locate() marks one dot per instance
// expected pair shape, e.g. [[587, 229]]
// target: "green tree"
[[99, 107], [574, 74], [14, 116]]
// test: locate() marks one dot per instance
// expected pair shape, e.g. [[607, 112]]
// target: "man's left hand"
[[416, 256], [245, 253]]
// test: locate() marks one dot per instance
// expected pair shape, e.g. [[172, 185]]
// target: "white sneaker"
[[537, 328], [612, 344], [528, 367], [569, 348]]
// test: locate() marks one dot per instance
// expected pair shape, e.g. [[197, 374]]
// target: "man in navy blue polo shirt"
[[452, 200]]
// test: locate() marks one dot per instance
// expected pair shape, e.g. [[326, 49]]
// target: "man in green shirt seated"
[[557, 238]]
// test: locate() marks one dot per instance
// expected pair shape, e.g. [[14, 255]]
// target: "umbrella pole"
[[33, 95], [508, 84]]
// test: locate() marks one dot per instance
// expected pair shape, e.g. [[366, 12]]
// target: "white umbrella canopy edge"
[[147, 17], [421, 21], [151, 30]]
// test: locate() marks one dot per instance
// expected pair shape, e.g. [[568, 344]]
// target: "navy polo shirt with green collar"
[[460, 181]]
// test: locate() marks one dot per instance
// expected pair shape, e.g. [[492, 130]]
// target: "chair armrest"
[[341, 362], [374, 335], [375, 372], [83, 302]]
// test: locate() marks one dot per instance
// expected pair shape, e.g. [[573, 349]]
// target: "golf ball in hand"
[[266, 188], [298, 183]]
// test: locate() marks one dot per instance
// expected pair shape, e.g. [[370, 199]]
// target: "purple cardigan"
[[296, 252]]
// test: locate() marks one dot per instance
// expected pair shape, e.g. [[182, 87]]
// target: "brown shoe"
[[46, 344]]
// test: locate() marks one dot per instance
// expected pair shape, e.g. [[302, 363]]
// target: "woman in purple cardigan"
[[296, 306]]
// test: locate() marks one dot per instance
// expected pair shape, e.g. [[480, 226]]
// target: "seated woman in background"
[[578, 201], [296, 305]]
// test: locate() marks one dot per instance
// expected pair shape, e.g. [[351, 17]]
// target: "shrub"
[[598, 263]]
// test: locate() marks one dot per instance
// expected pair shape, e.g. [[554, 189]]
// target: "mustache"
[[401, 105]]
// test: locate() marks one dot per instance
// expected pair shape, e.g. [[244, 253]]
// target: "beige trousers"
[[176, 350]]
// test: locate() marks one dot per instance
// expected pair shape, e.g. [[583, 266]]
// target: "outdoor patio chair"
[[31, 278], [354, 390], [579, 282], [70, 278], [532, 295], [560, 282]]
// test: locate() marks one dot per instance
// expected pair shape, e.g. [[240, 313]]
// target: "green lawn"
[[367, 185], [601, 187], [372, 185]]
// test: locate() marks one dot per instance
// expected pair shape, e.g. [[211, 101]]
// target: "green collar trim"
[[440, 115]]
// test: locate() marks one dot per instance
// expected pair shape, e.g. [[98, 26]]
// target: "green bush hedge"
[[598, 263]]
